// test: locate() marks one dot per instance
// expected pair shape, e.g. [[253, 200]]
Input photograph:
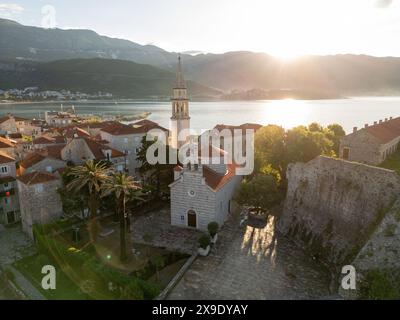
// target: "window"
[[4, 169], [39, 188], [49, 169], [6, 186], [7, 200], [126, 140], [192, 193], [183, 218], [120, 168]]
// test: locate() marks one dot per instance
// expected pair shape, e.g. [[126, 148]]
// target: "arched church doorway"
[[192, 219]]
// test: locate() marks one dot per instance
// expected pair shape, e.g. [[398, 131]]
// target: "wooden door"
[[192, 219]]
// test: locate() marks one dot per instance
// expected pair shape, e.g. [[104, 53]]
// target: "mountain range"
[[83, 59]]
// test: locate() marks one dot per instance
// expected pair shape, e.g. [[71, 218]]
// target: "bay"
[[349, 113]]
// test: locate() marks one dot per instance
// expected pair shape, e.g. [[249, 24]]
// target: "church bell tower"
[[180, 119]]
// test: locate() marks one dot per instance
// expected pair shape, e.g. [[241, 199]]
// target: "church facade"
[[202, 191]]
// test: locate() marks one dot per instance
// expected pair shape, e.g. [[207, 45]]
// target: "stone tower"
[[180, 120]]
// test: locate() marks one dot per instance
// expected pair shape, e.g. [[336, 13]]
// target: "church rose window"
[[192, 193]]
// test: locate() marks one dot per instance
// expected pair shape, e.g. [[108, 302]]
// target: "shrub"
[[9, 275], [213, 228], [86, 266], [390, 230], [204, 241], [380, 285]]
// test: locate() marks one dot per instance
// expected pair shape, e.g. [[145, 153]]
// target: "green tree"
[[269, 144], [161, 173], [123, 188], [89, 178], [315, 127], [72, 202], [335, 133], [303, 145], [260, 192]]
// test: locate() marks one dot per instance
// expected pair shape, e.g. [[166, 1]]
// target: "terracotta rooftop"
[[75, 132], [97, 149], [5, 158], [139, 127], [37, 177], [385, 131], [8, 117], [144, 126], [215, 180], [31, 159], [6, 143], [52, 151], [119, 129], [15, 135], [49, 140]]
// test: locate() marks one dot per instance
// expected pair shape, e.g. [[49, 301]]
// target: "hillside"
[[124, 79], [37, 44], [323, 76]]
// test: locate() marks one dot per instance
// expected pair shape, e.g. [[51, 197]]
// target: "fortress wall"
[[334, 206]]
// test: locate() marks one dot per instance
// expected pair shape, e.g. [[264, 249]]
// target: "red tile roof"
[[6, 143], [49, 140], [37, 177], [4, 119], [75, 133], [215, 180], [52, 151], [31, 159], [97, 149], [15, 135], [139, 127], [119, 129], [5, 158], [385, 131], [144, 126]]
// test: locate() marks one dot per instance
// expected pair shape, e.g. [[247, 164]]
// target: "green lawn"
[[392, 162], [66, 289]]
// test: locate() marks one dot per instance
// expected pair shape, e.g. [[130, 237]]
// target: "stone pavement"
[[155, 228], [253, 263], [25, 285], [14, 244]]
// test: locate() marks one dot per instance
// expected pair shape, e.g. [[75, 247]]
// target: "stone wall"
[[364, 147], [333, 206], [39, 205], [381, 252]]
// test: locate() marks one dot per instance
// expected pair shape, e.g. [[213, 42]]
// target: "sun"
[[287, 56]]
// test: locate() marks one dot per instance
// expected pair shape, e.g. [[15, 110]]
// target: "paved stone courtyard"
[[253, 263], [155, 228], [14, 244]]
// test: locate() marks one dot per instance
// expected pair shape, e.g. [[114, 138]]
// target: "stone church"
[[201, 192]]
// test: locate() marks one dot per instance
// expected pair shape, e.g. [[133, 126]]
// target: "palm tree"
[[123, 188], [89, 177]]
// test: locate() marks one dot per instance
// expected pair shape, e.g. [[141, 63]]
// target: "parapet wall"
[[333, 206]]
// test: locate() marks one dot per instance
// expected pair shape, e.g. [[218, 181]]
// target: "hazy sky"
[[279, 27]]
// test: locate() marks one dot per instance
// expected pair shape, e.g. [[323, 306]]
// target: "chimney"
[[366, 125], [354, 129], [375, 123], [386, 119], [380, 121], [391, 118]]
